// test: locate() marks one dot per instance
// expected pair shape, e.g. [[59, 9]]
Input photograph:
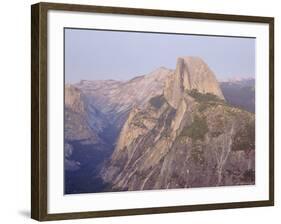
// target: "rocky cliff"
[[167, 129], [195, 146], [84, 146], [188, 136], [191, 73], [95, 111]]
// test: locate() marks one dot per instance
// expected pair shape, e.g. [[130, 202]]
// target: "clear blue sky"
[[96, 55]]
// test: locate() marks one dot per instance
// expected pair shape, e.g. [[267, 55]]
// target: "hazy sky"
[[96, 55]]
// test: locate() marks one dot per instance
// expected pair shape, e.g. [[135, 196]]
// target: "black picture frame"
[[39, 105]]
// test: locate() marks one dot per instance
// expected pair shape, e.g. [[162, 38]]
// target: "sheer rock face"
[[77, 126], [74, 99], [191, 73], [82, 119]]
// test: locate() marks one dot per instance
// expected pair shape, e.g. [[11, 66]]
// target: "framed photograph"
[[141, 111]]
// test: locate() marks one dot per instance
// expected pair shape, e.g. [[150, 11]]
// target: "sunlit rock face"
[[191, 73]]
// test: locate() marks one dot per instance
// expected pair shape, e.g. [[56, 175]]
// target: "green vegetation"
[[216, 133], [244, 139], [249, 176], [201, 97], [218, 125], [205, 100], [197, 129], [157, 101], [203, 106]]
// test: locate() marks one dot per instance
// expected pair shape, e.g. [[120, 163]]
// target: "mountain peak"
[[191, 59], [160, 73], [161, 69], [191, 73]]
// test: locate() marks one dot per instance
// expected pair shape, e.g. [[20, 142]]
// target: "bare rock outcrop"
[[191, 73], [188, 136], [74, 99]]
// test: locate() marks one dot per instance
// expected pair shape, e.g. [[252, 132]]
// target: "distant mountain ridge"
[[240, 79], [240, 93], [115, 98]]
